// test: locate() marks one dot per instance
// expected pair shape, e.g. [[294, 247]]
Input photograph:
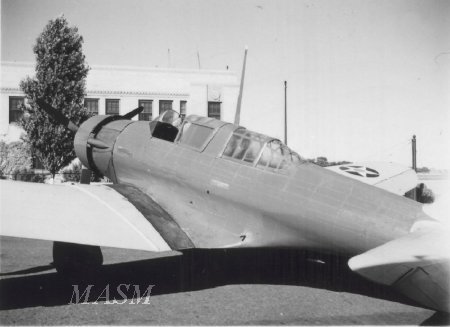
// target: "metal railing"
[[41, 177]]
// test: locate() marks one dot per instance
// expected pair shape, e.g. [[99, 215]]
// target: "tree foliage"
[[323, 162], [14, 157], [424, 194], [60, 80]]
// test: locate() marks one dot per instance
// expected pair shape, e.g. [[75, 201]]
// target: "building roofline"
[[131, 68], [17, 63], [120, 93]]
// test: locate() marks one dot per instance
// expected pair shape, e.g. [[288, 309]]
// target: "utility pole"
[[285, 112], [198, 59], [414, 163], [414, 153], [168, 58]]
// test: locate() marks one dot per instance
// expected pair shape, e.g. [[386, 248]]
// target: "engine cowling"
[[94, 142]]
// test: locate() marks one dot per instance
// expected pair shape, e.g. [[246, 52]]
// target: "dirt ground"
[[233, 287]]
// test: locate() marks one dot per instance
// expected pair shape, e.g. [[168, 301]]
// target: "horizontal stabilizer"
[[417, 265], [74, 213], [395, 178]]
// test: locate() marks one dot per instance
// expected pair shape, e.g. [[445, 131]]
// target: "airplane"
[[208, 184]]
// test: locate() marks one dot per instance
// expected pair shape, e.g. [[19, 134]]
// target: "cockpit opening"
[[166, 125]]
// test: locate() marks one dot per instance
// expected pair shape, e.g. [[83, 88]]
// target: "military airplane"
[[205, 183]]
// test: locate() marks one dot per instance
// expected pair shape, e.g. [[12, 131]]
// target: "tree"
[[60, 81]]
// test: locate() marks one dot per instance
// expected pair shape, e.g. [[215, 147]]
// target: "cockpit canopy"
[[196, 132], [260, 150], [170, 116], [243, 146], [166, 125]]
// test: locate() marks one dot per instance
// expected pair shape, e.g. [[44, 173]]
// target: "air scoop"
[[95, 143]]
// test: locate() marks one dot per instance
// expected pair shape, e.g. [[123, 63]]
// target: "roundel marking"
[[361, 171]]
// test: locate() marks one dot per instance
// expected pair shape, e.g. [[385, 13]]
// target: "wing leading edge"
[[87, 214]]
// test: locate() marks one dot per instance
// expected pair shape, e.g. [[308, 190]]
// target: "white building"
[[117, 90]]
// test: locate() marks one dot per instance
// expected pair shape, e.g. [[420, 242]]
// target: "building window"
[[146, 114], [14, 108], [214, 109], [36, 163], [112, 107], [164, 105], [91, 105], [183, 108]]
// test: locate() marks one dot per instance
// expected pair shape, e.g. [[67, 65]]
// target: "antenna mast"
[[237, 117], [168, 57], [198, 59]]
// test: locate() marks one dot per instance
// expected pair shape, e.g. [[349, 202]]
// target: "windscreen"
[[195, 136]]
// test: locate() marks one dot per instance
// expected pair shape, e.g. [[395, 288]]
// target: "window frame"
[[92, 101], [165, 102], [183, 105], [17, 113], [150, 114], [112, 101], [36, 163], [219, 103]]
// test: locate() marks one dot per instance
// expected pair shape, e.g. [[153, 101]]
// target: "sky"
[[362, 76]]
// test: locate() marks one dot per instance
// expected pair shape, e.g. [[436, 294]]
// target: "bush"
[[426, 194], [72, 173], [14, 157], [27, 175], [422, 192]]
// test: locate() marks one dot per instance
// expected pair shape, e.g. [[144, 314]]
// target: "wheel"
[[75, 259]]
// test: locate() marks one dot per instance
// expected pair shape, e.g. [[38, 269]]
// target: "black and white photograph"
[[225, 162]]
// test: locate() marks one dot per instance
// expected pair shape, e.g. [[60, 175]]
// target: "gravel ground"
[[246, 287]]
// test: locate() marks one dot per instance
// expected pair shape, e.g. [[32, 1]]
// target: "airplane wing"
[[417, 265], [391, 177], [101, 215]]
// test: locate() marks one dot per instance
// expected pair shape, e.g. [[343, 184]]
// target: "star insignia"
[[360, 171]]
